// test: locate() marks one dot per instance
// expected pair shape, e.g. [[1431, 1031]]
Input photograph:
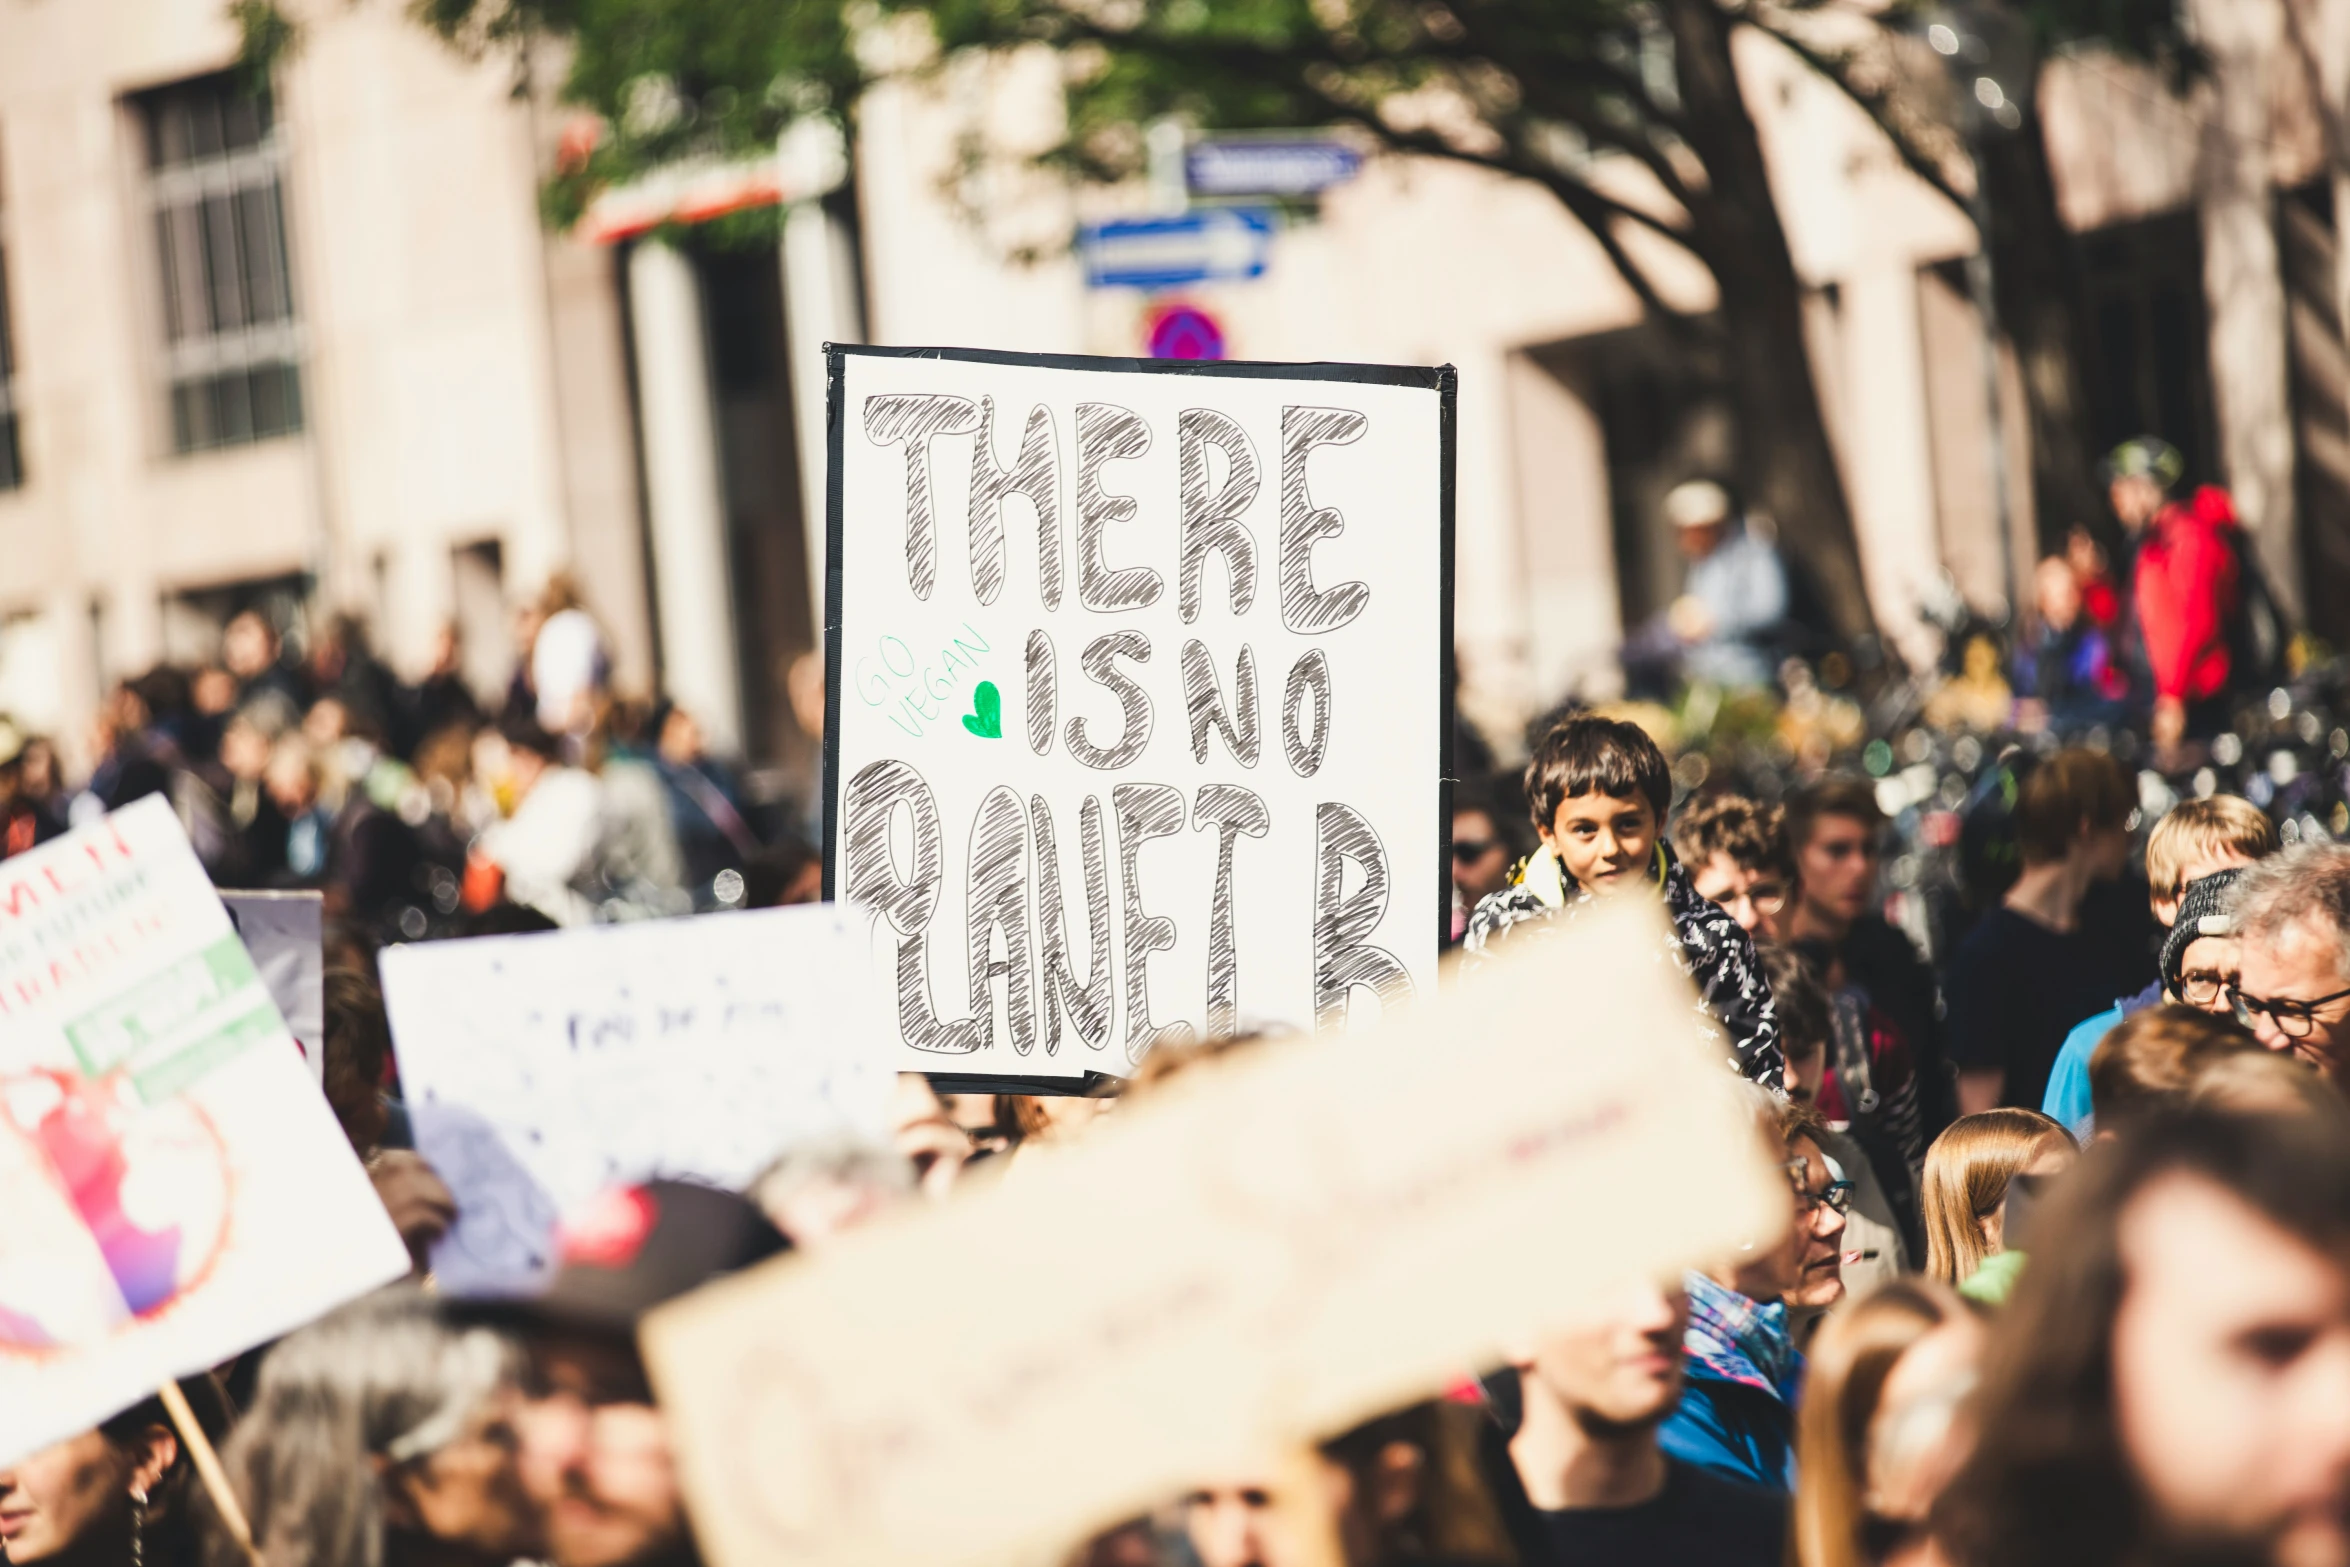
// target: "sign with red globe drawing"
[[177, 1190]]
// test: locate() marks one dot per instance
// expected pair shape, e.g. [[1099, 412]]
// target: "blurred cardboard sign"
[[542, 1070], [1272, 1247], [284, 933], [177, 1190]]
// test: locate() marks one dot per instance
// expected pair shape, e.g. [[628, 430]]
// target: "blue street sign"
[[1212, 245], [1251, 166]]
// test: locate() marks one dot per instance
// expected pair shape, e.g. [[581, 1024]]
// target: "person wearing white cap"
[[1736, 590]]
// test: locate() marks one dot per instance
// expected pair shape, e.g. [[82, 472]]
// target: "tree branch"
[[1877, 106]]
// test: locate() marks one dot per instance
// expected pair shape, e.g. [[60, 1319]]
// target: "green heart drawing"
[[986, 718]]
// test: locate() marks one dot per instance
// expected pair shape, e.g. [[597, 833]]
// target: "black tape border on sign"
[[1443, 380]]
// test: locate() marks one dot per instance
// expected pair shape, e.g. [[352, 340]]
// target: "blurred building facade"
[[315, 347]]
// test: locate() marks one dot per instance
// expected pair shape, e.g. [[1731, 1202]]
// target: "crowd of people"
[[2065, 1275], [417, 808], [2064, 1154]]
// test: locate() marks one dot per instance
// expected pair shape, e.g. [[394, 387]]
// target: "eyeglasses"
[[2294, 1019], [1836, 1197], [1468, 851], [2201, 987], [1764, 900]]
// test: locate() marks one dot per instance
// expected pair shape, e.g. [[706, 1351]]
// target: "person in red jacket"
[[2186, 585]]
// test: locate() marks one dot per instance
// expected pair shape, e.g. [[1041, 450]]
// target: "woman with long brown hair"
[[1968, 1172], [1880, 1431]]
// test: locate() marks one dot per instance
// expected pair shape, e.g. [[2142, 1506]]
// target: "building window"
[[232, 343], [11, 450]]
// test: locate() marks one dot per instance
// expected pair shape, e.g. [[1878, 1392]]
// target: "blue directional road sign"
[[1268, 166], [1210, 245]]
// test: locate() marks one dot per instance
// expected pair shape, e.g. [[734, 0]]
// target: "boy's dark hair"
[[1831, 796], [1752, 834], [2150, 1060], [2049, 1483], [1806, 1018], [521, 732], [1588, 755], [2074, 788]]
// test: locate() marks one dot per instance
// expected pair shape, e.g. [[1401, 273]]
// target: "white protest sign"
[[1274, 1246], [284, 932], [1136, 720], [541, 1070], [176, 1190]]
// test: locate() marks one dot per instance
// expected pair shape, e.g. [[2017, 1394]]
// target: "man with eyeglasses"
[[1736, 851], [2293, 926]]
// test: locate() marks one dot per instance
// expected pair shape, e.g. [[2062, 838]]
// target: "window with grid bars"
[[232, 340], [11, 449]]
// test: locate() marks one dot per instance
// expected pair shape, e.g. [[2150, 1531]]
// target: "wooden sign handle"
[[1301, 1502], [209, 1470]]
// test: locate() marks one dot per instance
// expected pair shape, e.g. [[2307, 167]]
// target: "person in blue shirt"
[[2198, 839]]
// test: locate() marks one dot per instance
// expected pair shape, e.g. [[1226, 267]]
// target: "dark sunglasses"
[[1466, 851]]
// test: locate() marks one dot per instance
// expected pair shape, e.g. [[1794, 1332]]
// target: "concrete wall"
[[463, 378]]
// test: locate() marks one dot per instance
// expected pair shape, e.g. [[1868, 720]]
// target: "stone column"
[[685, 498], [2243, 283], [820, 306]]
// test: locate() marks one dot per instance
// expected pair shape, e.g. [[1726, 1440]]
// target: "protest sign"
[[1141, 646], [176, 1189], [541, 1070], [284, 933], [1274, 1246]]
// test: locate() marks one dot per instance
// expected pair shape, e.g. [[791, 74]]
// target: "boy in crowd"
[[1599, 791], [2150, 1062], [2193, 844], [1834, 831], [1882, 1231], [1736, 851], [1737, 854], [2030, 966], [1581, 1411]]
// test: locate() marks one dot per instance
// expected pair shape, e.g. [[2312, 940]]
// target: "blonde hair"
[[1850, 1362], [2196, 830], [1967, 1171]]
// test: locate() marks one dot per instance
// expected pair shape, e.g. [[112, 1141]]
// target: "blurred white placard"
[[541, 1070], [176, 1189], [285, 934], [1270, 1248], [1136, 647]]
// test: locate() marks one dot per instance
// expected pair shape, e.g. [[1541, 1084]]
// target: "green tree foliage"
[[1626, 111]]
